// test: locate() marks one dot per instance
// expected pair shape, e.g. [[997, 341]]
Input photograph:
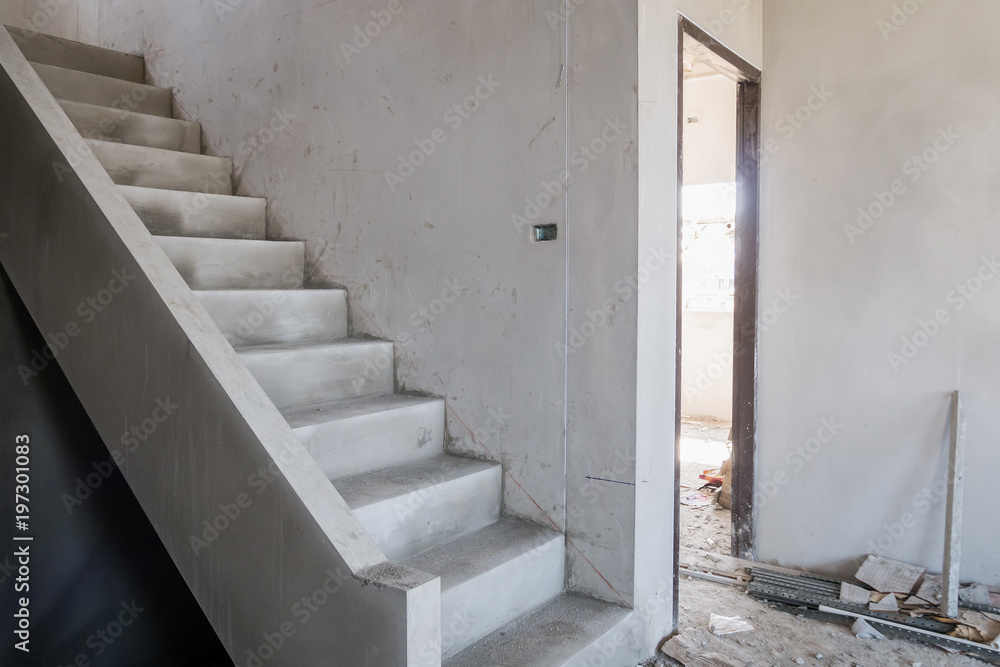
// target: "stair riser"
[[168, 170], [67, 84], [479, 606], [370, 442], [60, 52], [175, 213], [205, 264], [426, 518], [311, 376], [277, 316], [104, 124]]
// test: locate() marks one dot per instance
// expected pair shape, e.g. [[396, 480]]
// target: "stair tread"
[[162, 168], [149, 153], [552, 634], [317, 291], [373, 487], [106, 91], [213, 263], [309, 345], [354, 407], [249, 317], [476, 553], [202, 240], [125, 113], [136, 128], [52, 50], [91, 76], [168, 193]]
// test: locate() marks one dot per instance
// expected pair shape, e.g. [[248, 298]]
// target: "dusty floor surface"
[[782, 638], [703, 446]]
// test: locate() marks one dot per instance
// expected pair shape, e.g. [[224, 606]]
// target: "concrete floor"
[[703, 446]]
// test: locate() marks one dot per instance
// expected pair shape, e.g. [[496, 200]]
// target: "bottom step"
[[557, 633], [491, 577]]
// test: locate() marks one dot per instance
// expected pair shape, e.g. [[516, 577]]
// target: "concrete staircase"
[[501, 578]]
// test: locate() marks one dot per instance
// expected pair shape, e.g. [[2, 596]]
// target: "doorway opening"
[[717, 226]]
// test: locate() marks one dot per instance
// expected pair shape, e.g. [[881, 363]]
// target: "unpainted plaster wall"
[[873, 331], [73, 19]]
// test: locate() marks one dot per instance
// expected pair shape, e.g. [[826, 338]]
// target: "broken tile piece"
[[889, 576], [914, 601], [930, 589], [887, 603], [852, 594], [862, 630], [727, 625]]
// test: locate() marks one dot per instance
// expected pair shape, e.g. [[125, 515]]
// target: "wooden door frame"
[[692, 39]]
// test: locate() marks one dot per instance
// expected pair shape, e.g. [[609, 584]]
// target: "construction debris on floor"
[[898, 596], [829, 621]]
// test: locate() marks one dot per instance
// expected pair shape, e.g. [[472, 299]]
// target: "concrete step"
[[566, 631], [491, 577], [234, 264], [137, 129], [296, 376], [75, 86], [167, 170], [361, 435], [262, 317], [60, 52], [180, 213], [418, 506]]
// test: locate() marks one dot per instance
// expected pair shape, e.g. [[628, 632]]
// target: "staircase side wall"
[[259, 534]]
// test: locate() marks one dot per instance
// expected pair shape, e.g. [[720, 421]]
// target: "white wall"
[[707, 365], [710, 144], [856, 294]]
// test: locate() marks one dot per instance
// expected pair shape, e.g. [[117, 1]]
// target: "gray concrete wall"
[[891, 309], [72, 19]]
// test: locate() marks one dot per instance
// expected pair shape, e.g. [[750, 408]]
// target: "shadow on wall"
[[101, 588]]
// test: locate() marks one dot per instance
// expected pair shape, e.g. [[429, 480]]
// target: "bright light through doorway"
[[708, 253]]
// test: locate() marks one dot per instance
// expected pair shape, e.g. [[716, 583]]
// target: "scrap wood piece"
[[889, 576], [698, 648], [852, 594], [986, 627], [725, 494]]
